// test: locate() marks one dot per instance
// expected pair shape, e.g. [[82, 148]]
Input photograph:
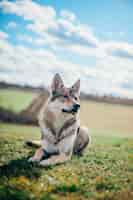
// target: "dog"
[[61, 133]]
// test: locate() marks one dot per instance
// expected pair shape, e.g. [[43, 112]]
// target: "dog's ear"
[[76, 87], [57, 84]]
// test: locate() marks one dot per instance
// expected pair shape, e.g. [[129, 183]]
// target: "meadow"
[[104, 172], [14, 99]]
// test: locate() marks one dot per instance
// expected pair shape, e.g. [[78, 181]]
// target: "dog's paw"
[[33, 159], [30, 159], [44, 163]]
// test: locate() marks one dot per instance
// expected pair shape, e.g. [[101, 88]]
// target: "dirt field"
[[108, 118]]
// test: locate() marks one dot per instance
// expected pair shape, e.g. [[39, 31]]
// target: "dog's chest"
[[59, 121]]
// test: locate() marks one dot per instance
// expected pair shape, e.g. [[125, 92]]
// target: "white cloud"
[[11, 25], [30, 10], [3, 35], [44, 18], [119, 49], [33, 66], [63, 33], [68, 15], [25, 38]]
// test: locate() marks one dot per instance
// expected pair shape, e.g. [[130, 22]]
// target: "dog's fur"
[[61, 134]]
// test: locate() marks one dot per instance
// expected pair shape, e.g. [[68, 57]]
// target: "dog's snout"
[[76, 107]]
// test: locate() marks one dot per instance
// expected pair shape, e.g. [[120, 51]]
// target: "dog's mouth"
[[73, 111], [69, 111]]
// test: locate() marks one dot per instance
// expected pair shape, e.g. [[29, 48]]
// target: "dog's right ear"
[[57, 84]]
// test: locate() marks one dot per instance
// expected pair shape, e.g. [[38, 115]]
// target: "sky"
[[90, 40]]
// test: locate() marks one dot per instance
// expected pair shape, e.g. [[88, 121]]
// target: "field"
[[15, 100], [108, 118], [104, 172]]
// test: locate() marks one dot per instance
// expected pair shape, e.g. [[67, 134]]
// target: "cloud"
[[33, 66], [119, 49], [127, 85], [43, 19], [122, 53], [30, 11], [3, 35], [12, 25], [54, 36], [68, 15], [25, 38], [63, 29], [70, 33]]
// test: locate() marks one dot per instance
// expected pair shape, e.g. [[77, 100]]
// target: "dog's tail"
[[33, 143]]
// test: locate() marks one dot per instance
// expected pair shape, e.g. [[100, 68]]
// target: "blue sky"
[[104, 16], [91, 40]]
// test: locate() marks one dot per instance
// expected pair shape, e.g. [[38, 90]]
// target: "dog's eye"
[[76, 98]]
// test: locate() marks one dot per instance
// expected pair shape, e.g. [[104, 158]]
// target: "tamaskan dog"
[[61, 133]]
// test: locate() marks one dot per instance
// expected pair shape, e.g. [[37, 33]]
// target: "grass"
[[104, 172], [14, 99], [108, 118]]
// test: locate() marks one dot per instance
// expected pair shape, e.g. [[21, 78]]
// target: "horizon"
[[47, 88], [91, 41]]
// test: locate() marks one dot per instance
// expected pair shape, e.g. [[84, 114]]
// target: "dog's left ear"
[[76, 87], [57, 84]]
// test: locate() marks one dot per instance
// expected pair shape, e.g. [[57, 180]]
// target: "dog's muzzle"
[[74, 109]]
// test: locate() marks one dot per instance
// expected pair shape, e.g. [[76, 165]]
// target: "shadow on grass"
[[20, 167], [61, 190], [66, 188], [10, 193]]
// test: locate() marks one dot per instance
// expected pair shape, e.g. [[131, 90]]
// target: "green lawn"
[[104, 172], [15, 100]]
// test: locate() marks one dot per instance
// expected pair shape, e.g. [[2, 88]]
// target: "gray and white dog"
[[59, 121]]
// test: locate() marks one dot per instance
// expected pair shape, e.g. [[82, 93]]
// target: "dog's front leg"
[[37, 156], [56, 159]]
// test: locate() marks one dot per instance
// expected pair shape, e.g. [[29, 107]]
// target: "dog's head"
[[66, 99]]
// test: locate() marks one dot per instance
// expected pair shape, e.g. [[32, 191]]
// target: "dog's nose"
[[76, 107]]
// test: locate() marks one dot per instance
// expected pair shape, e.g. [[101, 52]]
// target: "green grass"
[[14, 99], [104, 172]]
